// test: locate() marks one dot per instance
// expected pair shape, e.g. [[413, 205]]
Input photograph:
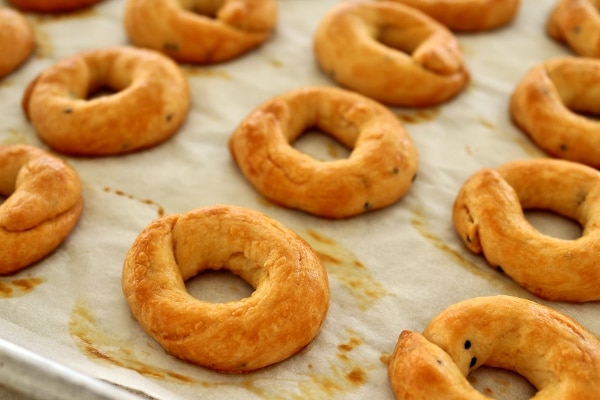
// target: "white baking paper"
[[389, 270]]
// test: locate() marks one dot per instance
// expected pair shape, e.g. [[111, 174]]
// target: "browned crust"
[[43, 205], [379, 171], [16, 41], [549, 105], [468, 15], [576, 23], [149, 86], [551, 350], [238, 26], [488, 216], [390, 52], [281, 317]]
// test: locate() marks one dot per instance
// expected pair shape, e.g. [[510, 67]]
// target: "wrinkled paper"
[[389, 270]]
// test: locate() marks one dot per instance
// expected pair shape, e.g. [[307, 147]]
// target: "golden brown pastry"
[[576, 23], [390, 52], [488, 216], [51, 6], [551, 350], [283, 315], [467, 15], [200, 31], [150, 102], [43, 204], [551, 102], [16, 40], [378, 172]]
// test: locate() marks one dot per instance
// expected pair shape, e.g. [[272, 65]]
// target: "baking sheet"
[[389, 270]]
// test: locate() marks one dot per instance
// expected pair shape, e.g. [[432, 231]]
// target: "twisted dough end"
[[488, 215], [227, 29], [551, 350], [390, 52], [43, 205]]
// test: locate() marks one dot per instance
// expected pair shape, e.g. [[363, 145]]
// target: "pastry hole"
[[321, 146], [207, 9], [576, 86], [501, 384], [218, 286], [400, 39], [588, 115], [101, 91], [552, 224]]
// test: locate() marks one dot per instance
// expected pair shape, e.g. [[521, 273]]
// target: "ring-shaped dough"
[[51, 6], [187, 32], [551, 350], [488, 216], [550, 104], [16, 40], [281, 317], [379, 171], [576, 23], [150, 103], [467, 15], [390, 52], [43, 204]]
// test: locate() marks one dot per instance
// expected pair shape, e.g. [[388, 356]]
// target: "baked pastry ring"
[[282, 316], [378, 172], [151, 102], [467, 15], [550, 103], [488, 216], [554, 352], [42, 205], [16, 40], [51, 6], [390, 52], [169, 26], [576, 23]]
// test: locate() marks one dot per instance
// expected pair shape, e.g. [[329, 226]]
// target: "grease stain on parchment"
[[44, 48], [419, 222], [487, 123], [159, 208], [206, 72], [10, 288], [15, 136], [107, 347], [335, 152], [385, 358], [418, 116], [275, 62], [345, 268], [344, 371]]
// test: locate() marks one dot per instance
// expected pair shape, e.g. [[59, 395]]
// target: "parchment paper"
[[389, 270]]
